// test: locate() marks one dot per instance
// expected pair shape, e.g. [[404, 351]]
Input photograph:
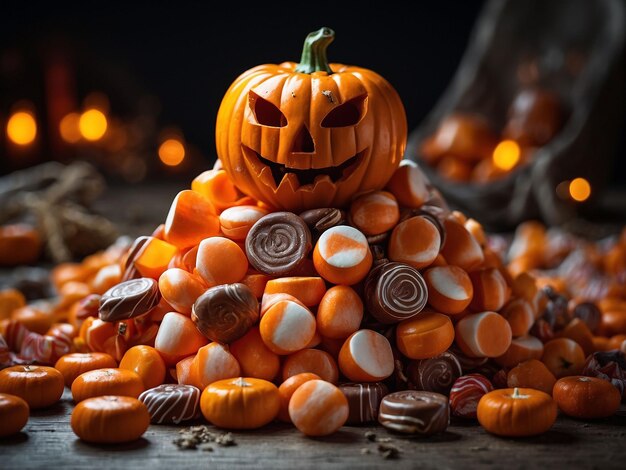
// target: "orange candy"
[[10, 300], [75, 364], [109, 381], [450, 289], [491, 291], [221, 261], [105, 278], [425, 335], [180, 289], [287, 389], [178, 337], [182, 372], [578, 331], [311, 360], [14, 413], [520, 315], [33, 319], [461, 248], [213, 362], [521, 349], [237, 221], [563, 357], [154, 258], [613, 322], [485, 334], [342, 255], [191, 218], [408, 184], [308, 290], [375, 213], [287, 327], [19, 244], [531, 374], [218, 188], [255, 359], [415, 242], [256, 282], [318, 408], [39, 386], [147, 363], [366, 356], [340, 313]]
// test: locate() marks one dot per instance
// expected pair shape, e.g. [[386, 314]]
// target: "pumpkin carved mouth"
[[309, 176]]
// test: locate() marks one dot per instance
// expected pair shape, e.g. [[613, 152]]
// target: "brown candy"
[[415, 412], [226, 312], [172, 403], [363, 401], [436, 374], [278, 243], [320, 220], [129, 299], [129, 271], [589, 313]]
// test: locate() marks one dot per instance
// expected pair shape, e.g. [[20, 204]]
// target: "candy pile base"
[[406, 300]]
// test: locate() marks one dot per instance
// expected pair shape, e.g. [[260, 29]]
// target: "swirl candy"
[[277, 243], [44, 349], [320, 220], [466, 393], [395, 292], [226, 312], [129, 299], [172, 403], [415, 412], [436, 374], [363, 401]]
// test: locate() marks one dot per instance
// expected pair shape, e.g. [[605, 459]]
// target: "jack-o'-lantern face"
[[300, 136]]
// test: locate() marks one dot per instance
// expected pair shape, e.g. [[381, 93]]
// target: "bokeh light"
[[22, 128], [579, 189], [506, 155], [92, 124], [68, 128], [172, 152]]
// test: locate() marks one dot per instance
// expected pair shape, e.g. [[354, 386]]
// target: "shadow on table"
[[87, 448], [14, 439]]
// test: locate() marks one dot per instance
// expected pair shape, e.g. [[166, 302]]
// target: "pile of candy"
[[396, 310]]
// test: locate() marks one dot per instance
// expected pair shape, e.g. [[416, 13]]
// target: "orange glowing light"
[[172, 152], [22, 128], [69, 128], [506, 155], [580, 189], [92, 124]]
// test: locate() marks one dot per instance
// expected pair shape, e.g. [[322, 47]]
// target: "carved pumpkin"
[[313, 134]]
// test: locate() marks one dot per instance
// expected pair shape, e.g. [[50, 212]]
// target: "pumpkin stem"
[[517, 394], [314, 52], [241, 382]]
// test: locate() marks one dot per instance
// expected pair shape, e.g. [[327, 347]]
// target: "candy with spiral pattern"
[[226, 312], [278, 243], [395, 292], [466, 393], [129, 299], [172, 403], [436, 374]]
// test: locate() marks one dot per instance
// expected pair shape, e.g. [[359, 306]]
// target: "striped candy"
[[466, 393]]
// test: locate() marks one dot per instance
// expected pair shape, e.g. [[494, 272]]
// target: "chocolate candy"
[[278, 243], [467, 363], [610, 366], [129, 271], [395, 292], [129, 299], [363, 400], [589, 313], [320, 220], [172, 403], [436, 374], [415, 412], [466, 393], [226, 312]]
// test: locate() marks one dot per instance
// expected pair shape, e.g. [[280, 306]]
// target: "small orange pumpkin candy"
[[39, 386], [313, 134], [13, 414], [586, 397], [240, 403], [516, 412], [74, 364], [108, 381], [110, 419]]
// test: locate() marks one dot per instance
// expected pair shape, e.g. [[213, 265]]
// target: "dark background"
[[186, 54]]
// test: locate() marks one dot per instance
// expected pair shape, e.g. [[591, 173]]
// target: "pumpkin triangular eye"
[[346, 114], [266, 113]]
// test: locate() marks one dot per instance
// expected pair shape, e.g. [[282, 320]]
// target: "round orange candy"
[[485, 334], [318, 408], [450, 289], [490, 290], [308, 290], [237, 221], [586, 397], [531, 374], [110, 419], [521, 349], [409, 185], [255, 359], [375, 213], [311, 360], [221, 261], [424, 336], [212, 363], [14, 413], [366, 356], [520, 315], [340, 313], [287, 327], [39, 386], [10, 300], [180, 289], [415, 242], [177, 338], [563, 357], [147, 363], [99, 382], [461, 248], [74, 364], [342, 255], [286, 390]]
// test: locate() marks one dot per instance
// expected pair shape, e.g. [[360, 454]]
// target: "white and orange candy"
[[485, 334], [221, 261], [237, 221], [314, 361], [180, 289], [308, 290], [520, 315], [461, 248], [287, 326], [213, 362], [191, 218], [318, 408], [409, 185], [366, 356], [342, 255], [450, 289], [415, 241], [491, 291], [178, 337], [339, 313], [375, 213]]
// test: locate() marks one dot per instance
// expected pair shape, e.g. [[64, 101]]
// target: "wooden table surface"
[[47, 441]]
